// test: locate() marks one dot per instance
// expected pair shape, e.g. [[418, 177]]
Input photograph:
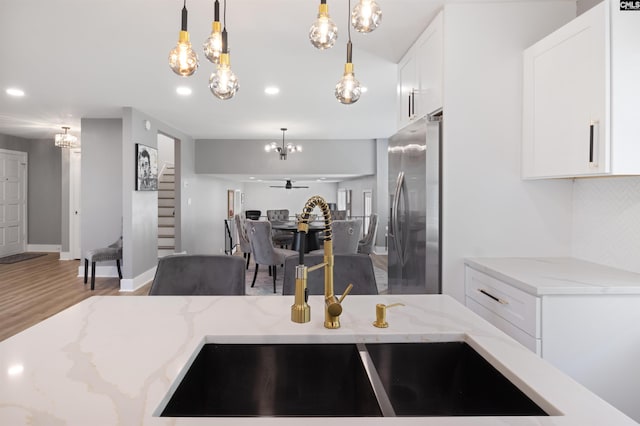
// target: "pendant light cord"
[[349, 48]]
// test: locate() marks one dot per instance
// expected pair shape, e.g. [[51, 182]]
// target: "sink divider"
[[378, 389]]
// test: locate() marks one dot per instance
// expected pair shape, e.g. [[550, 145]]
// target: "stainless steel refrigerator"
[[415, 212]]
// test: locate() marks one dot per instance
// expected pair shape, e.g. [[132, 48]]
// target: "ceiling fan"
[[288, 185]]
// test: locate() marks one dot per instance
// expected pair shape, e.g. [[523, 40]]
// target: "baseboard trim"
[[102, 271], [66, 255], [49, 248], [129, 285]]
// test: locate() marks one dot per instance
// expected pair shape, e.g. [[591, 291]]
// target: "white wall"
[[259, 196], [487, 209], [207, 210], [606, 221], [166, 151]]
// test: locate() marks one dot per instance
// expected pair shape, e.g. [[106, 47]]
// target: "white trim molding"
[[129, 285]]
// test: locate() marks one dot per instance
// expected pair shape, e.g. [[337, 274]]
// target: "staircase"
[[166, 211]]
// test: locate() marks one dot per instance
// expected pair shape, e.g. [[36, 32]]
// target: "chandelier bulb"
[[324, 32], [366, 16], [183, 60]]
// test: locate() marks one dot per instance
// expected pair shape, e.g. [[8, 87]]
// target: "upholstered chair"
[[111, 252], [245, 245], [338, 214], [282, 239], [264, 253], [345, 236], [356, 269], [185, 275], [366, 244]]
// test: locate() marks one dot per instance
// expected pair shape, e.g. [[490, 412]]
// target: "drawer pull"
[[497, 299]]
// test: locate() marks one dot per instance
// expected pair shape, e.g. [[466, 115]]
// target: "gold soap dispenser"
[[381, 313]]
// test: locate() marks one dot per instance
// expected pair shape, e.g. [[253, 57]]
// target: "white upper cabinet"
[[581, 93], [420, 75]]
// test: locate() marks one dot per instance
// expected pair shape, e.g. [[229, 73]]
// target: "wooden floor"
[[35, 289]]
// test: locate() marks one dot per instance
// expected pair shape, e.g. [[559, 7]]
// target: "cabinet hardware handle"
[[413, 102], [409, 107], [592, 135], [497, 299]]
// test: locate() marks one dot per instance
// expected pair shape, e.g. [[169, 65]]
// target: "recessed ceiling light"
[[183, 90], [271, 90], [12, 91], [251, 177], [363, 89]]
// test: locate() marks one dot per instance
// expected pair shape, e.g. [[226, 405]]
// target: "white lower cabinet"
[[594, 338]]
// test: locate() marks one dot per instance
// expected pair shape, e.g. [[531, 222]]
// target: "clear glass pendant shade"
[[213, 44], [183, 60], [366, 16], [223, 83], [324, 32], [348, 89]]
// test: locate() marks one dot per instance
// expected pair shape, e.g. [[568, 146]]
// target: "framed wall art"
[[230, 203], [146, 168]]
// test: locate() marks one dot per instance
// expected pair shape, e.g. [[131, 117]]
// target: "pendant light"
[[182, 59], [366, 16], [224, 83], [324, 32], [213, 44], [348, 88], [65, 140]]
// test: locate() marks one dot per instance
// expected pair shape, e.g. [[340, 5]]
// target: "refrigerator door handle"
[[394, 217], [404, 233]]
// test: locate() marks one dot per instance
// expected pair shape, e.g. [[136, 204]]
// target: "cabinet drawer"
[[515, 306], [528, 341]]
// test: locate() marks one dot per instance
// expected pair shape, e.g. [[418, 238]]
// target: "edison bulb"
[[213, 44], [348, 88], [366, 16], [183, 60], [223, 83], [324, 32]]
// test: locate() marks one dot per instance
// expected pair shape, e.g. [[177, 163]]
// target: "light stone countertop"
[[558, 275], [112, 360]]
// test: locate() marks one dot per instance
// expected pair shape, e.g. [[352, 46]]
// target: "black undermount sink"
[[409, 379]]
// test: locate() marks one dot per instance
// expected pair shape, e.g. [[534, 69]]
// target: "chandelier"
[[65, 140], [284, 149]]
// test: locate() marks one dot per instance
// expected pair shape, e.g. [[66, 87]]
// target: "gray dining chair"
[[264, 253], [356, 269], [111, 252], [245, 245], [185, 275], [345, 236], [365, 245], [283, 239]]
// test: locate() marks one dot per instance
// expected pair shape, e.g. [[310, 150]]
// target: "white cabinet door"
[[430, 58], [566, 92], [407, 86], [420, 75]]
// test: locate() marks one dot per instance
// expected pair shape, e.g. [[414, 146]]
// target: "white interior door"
[[13, 202], [74, 204]]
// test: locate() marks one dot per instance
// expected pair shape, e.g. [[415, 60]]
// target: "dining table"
[[312, 240]]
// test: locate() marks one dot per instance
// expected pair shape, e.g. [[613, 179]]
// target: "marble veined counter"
[[112, 360], [558, 275]]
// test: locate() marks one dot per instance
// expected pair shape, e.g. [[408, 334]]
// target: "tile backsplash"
[[606, 221]]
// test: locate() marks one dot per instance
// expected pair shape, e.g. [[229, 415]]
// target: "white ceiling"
[[81, 58]]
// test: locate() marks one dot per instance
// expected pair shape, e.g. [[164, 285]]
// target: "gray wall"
[[44, 192], [101, 191], [14, 143], [325, 157]]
